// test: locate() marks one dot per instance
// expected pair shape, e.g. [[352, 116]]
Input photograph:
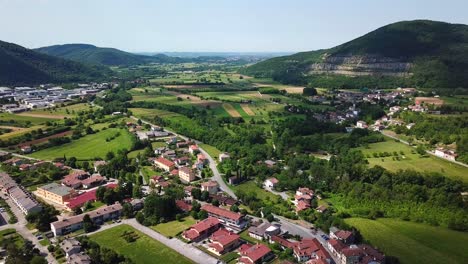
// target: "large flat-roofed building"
[[98, 216], [22, 198], [56, 193], [231, 220]]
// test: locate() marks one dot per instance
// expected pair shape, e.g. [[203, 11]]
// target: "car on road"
[[325, 237]]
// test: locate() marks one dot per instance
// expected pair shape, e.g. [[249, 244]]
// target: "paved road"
[[187, 250], [20, 227], [283, 195], [427, 151], [212, 163]]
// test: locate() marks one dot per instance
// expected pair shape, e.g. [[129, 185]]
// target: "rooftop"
[[56, 189]]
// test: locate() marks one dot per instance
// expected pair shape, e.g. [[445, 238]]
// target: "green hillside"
[[21, 66], [106, 56], [437, 52]]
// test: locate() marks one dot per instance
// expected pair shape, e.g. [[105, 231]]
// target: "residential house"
[[344, 236], [361, 254], [164, 164], [202, 229], [223, 241], [98, 164], [98, 216], [94, 180], [193, 149], [361, 124], [70, 246], [186, 174], [307, 249], [271, 182], [211, 186], [446, 154], [231, 220], [255, 254], [26, 149]]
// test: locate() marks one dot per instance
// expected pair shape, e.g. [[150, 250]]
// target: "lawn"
[[148, 172], [143, 250], [90, 146], [212, 151], [413, 242], [12, 236], [173, 228], [411, 160], [267, 197]]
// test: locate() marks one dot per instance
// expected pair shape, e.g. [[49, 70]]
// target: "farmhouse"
[[446, 154], [164, 164]]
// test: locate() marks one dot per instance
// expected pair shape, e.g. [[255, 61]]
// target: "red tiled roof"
[[175, 172], [336, 244], [201, 227], [209, 184], [282, 241], [307, 247], [255, 252], [273, 180], [164, 161], [302, 205], [182, 205], [94, 178], [185, 170], [85, 197], [343, 234], [221, 212], [224, 237]]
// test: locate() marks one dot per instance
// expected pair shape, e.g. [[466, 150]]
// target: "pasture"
[[143, 250], [411, 160], [413, 242], [22, 120], [89, 146], [62, 111]]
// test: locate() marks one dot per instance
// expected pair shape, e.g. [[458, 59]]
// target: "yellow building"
[[55, 193]]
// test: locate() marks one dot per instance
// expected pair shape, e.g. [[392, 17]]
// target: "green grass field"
[[171, 229], [21, 120], [89, 147], [413, 242], [212, 151], [412, 160], [72, 110], [143, 250]]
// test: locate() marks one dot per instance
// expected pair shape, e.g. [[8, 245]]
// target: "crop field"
[[143, 250], [172, 228], [413, 242], [411, 160], [89, 146], [247, 109], [231, 110], [206, 77], [238, 97], [18, 132]]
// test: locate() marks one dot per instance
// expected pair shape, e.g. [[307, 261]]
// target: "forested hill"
[[421, 53], [21, 66], [90, 54]]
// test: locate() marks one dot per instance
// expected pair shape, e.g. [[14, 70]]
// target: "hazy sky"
[[211, 25]]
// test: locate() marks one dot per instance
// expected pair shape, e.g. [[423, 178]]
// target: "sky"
[[211, 25]]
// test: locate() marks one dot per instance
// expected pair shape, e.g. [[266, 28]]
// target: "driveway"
[[283, 195]]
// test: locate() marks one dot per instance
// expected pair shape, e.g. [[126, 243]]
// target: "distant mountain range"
[[421, 53], [21, 66], [90, 54]]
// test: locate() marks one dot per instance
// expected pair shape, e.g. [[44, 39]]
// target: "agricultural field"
[[410, 160], [22, 120], [89, 147], [196, 77], [173, 228], [413, 242], [143, 250]]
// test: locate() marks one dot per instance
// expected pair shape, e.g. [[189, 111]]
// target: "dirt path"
[[247, 109], [50, 116], [231, 110], [12, 128]]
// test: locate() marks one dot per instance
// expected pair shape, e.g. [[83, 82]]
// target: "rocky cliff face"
[[361, 65]]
